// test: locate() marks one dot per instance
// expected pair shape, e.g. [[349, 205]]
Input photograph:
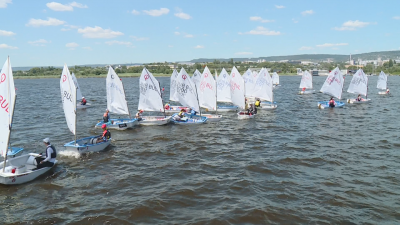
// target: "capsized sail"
[[306, 80], [78, 89], [382, 81], [68, 96], [224, 87], [237, 88], [263, 86], [359, 83], [207, 90], [116, 102], [7, 91], [334, 84], [275, 78], [150, 93], [173, 94], [187, 92]]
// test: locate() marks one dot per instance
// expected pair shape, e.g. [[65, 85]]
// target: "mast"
[[197, 96], [125, 100], [216, 94], [76, 90], [12, 115]]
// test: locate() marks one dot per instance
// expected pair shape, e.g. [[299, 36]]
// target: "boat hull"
[[268, 106], [383, 93], [229, 108], [306, 92], [14, 151], [354, 101], [188, 121], [325, 104], [244, 116], [119, 124], [83, 145], [176, 109], [79, 106], [24, 172], [154, 120], [210, 117]]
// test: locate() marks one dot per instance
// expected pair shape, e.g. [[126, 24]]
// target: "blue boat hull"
[[325, 104], [187, 120], [84, 146]]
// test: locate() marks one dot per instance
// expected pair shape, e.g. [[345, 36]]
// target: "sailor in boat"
[[162, 92], [106, 116], [106, 134], [83, 102], [304, 89], [138, 115], [167, 106], [192, 111], [257, 103], [332, 103], [180, 115], [359, 99], [253, 109], [387, 91], [51, 155]]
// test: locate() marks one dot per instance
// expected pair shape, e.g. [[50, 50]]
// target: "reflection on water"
[[294, 165]]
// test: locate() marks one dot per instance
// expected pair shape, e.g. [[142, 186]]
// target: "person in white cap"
[[83, 102], [51, 155]]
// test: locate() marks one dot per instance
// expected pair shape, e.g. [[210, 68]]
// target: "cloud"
[[307, 12], [3, 4], [134, 12], [352, 25], [305, 48], [69, 27], [48, 22], [183, 15], [394, 17], [262, 31], [6, 33], [295, 21], [71, 45], [156, 12], [139, 38], [87, 48], [7, 46], [199, 46], [40, 42], [177, 33], [98, 32], [331, 45], [55, 6], [257, 18], [243, 53], [189, 36], [170, 46], [279, 6], [114, 42]]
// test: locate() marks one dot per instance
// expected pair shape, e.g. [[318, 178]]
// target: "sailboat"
[[306, 84], [116, 103], [207, 92], [275, 80], [263, 90], [224, 92], [359, 85], [187, 94], [237, 94], [150, 99], [79, 94], [333, 86], [382, 84], [269, 103], [68, 96], [249, 81], [173, 95], [17, 170]]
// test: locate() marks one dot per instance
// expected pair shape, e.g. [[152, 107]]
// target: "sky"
[[46, 33]]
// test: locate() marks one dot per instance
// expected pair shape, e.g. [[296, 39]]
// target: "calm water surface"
[[294, 165]]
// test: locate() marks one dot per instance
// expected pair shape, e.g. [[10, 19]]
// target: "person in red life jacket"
[[304, 89], [332, 102], [138, 115], [106, 134], [83, 102], [162, 92], [387, 91], [51, 155], [106, 117], [167, 106]]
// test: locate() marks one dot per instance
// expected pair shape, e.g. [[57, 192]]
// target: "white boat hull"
[[354, 101], [212, 117], [79, 106], [244, 116], [228, 108], [306, 92], [83, 145], [154, 120], [268, 106], [119, 124], [383, 93], [24, 172]]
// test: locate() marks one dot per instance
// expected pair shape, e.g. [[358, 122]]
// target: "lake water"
[[295, 165]]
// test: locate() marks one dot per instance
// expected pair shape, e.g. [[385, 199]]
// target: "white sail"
[[359, 83], [68, 96], [382, 81], [306, 80], [7, 100], [275, 78], [173, 94], [334, 84], [116, 102], [263, 87], [78, 89], [150, 93], [196, 78], [187, 92], [224, 87], [249, 81], [207, 90], [237, 88]]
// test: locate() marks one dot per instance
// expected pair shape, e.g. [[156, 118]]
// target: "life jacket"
[[106, 134], [181, 114], [166, 106], [105, 118], [304, 88], [83, 101], [257, 104], [54, 154], [332, 103]]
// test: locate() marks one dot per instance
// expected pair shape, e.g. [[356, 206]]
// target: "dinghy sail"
[[275, 79], [359, 85], [382, 83], [333, 86], [79, 94], [306, 83], [173, 93]]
